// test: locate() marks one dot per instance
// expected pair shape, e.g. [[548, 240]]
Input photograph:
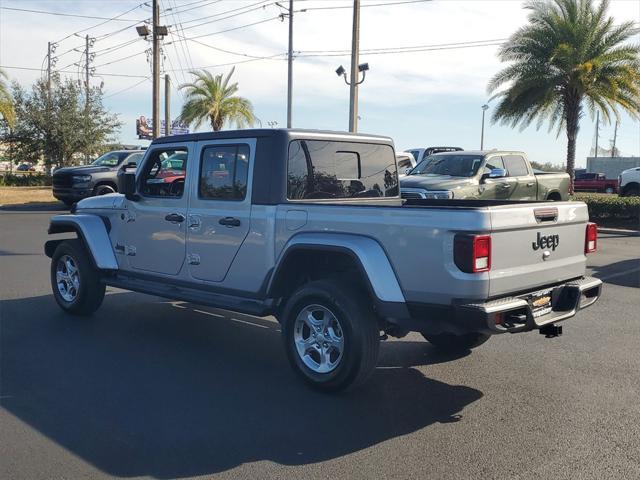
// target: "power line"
[[113, 48], [69, 14], [411, 48], [210, 2], [257, 5], [192, 39], [107, 20], [384, 4], [204, 67], [125, 89], [233, 29], [15, 67], [121, 59], [415, 50]]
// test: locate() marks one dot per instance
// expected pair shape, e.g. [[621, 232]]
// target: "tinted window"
[[454, 165], [494, 162], [404, 162], [223, 172], [110, 159], [415, 153], [515, 165], [324, 169], [161, 175]]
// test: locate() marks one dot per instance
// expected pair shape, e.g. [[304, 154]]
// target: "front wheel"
[[609, 190], [456, 343], [74, 280], [331, 335]]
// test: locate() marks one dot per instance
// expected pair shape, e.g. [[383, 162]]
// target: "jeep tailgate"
[[535, 245]]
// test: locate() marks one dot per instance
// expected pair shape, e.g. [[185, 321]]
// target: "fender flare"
[[93, 232], [368, 253]]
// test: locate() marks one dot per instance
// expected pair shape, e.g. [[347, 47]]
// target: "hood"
[[84, 170], [108, 201], [435, 182]]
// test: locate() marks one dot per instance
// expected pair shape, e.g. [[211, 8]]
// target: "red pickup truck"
[[595, 182]]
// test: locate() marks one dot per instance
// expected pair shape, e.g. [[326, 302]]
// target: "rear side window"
[[320, 169], [404, 162], [223, 172], [515, 165]]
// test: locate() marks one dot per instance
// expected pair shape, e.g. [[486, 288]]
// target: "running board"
[[250, 306]]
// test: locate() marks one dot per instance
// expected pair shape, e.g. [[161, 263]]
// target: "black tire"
[[554, 197], [631, 191], [89, 292], [609, 190], [103, 190], [360, 333], [450, 343], [68, 203]]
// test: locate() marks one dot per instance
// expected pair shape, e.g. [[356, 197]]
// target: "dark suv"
[[71, 184]]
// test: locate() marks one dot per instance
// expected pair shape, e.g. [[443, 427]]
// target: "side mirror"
[[127, 184], [495, 173]]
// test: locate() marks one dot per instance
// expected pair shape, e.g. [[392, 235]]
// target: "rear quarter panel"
[[417, 241], [553, 182]]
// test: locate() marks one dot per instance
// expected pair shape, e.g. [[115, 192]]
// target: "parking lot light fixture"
[[485, 107]]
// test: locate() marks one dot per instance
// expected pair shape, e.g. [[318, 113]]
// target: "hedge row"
[[32, 180], [606, 208]]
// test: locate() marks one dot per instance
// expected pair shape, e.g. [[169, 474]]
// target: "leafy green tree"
[[59, 128], [213, 98], [7, 112], [570, 55]]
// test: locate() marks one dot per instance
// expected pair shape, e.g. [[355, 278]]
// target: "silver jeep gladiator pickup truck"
[[309, 226]]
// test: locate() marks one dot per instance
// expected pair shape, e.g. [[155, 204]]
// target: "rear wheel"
[[331, 335], [74, 280], [632, 191], [104, 189], [448, 342]]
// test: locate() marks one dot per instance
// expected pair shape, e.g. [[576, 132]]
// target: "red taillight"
[[591, 238], [472, 253]]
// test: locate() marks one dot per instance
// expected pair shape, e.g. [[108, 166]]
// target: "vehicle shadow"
[[625, 273], [149, 387]]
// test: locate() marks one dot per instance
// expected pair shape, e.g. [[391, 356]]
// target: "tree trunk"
[[572, 107]]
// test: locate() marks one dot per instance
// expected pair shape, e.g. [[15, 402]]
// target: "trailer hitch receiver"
[[551, 330]]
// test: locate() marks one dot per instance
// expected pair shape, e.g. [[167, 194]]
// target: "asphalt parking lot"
[[152, 388]]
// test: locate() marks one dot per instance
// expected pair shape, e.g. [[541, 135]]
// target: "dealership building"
[[611, 166]]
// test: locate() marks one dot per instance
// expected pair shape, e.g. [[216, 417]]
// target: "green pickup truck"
[[484, 175]]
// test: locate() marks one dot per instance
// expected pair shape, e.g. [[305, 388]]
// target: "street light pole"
[[485, 107], [167, 105], [355, 50], [290, 68], [156, 71]]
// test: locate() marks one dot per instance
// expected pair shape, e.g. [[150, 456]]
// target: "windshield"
[[110, 159], [454, 165]]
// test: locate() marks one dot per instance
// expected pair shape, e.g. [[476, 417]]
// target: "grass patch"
[[26, 195]]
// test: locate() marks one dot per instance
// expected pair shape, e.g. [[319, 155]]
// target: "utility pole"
[[355, 51], [86, 89], [156, 70], [49, 70], [290, 67], [485, 107], [167, 106], [597, 131], [615, 137]]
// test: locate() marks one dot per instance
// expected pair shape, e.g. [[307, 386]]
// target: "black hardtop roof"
[[272, 132]]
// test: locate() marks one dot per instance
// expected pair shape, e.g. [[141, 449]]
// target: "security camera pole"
[[353, 86]]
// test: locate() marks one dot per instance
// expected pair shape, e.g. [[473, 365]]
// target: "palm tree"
[[6, 101], [212, 98], [569, 55]]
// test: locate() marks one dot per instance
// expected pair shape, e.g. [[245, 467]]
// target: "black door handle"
[[174, 218], [229, 222]]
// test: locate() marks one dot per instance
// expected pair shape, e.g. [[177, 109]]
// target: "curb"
[[618, 231]]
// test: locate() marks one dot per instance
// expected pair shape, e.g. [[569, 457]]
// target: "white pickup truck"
[[309, 226]]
